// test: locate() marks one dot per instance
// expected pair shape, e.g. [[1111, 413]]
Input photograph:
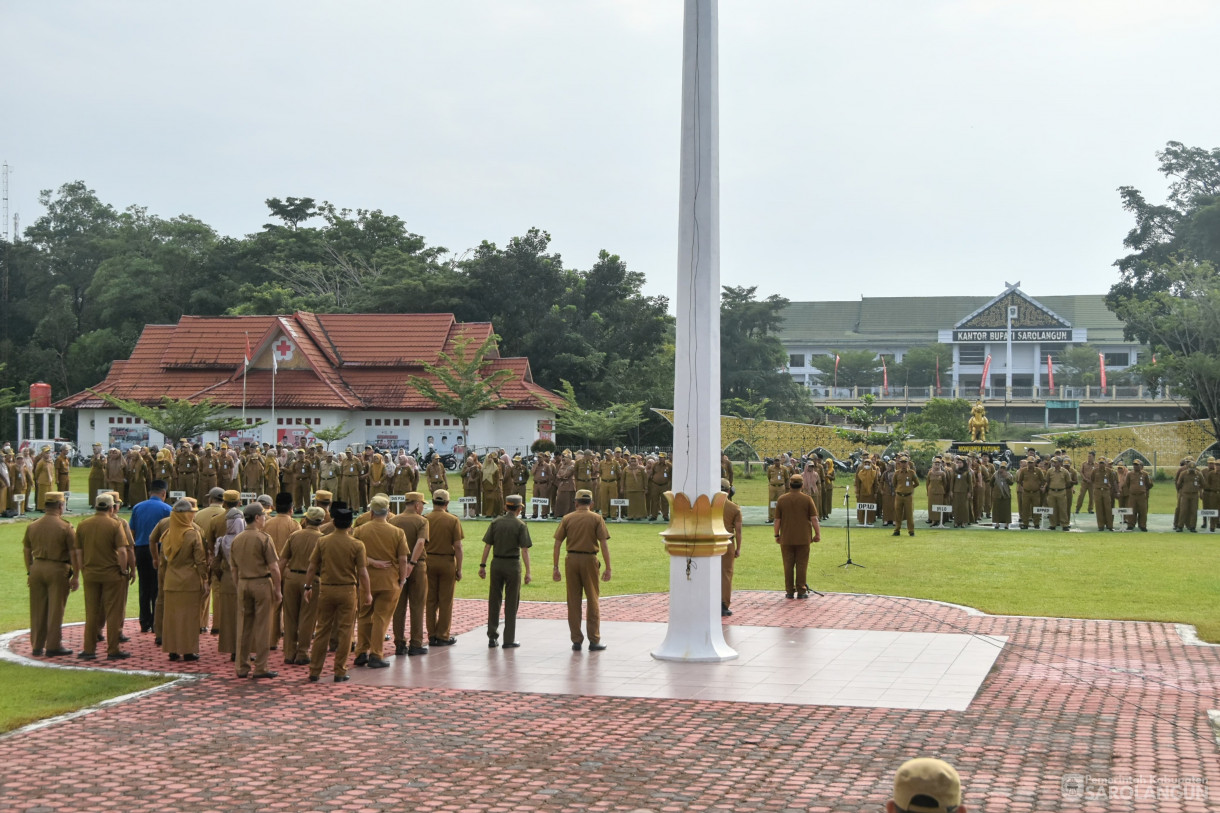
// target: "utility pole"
[[5, 202]]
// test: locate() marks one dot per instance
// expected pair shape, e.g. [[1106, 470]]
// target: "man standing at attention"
[[796, 527], [144, 517], [732, 524], [584, 531], [905, 483], [508, 540], [52, 565], [444, 546], [414, 596], [106, 567], [257, 571], [339, 565], [387, 556]]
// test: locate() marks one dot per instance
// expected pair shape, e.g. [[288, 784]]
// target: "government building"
[[310, 371], [975, 327]]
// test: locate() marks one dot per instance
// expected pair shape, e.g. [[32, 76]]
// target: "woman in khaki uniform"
[[222, 573], [492, 486], [137, 477], [635, 485], [185, 565]]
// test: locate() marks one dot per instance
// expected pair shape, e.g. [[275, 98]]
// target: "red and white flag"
[[1101, 360], [938, 373], [885, 376], [986, 370], [836, 370], [1050, 372]]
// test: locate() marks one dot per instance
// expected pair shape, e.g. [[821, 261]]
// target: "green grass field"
[[1149, 577]]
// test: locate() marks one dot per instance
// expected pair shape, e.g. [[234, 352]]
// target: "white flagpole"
[[244, 367], [274, 369]]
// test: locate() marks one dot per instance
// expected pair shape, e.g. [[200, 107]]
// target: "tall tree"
[[598, 426], [753, 415], [857, 368], [464, 387], [919, 366], [752, 358]]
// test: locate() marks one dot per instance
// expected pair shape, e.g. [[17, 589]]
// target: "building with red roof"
[[322, 370]]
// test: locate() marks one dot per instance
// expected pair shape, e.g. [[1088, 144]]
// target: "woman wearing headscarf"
[[226, 594], [137, 477], [406, 476], [472, 479], [230, 471], [27, 473], [811, 480], [493, 486], [185, 567], [163, 469], [635, 486], [1001, 496], [378, 479]]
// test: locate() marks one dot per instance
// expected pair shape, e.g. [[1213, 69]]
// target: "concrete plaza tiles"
[[807, 667], [1065, 698]]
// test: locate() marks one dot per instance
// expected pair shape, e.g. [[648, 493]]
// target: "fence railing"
[[1032, 394]]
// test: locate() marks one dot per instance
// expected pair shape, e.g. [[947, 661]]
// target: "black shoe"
[[725, 611], [361, 660], [896, 533], [910, 533], [492, 643], [232, 657], [1177, 530], [190, 656], [264, 675], [216, 630], [400, 649], [342, 678], [37, 653], [145, 629], [157, 640], [444, 642], [789, 595], [56, 653], [596, 647], [87, 656], [123, 638], [173, 656], [432, 639], [802, 594], [576, 647], [511, 645], [377, 663], [301, 662], [118, 656], [313, 678], [417, 650]]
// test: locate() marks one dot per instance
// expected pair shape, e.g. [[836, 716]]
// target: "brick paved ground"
[[1104, 699]]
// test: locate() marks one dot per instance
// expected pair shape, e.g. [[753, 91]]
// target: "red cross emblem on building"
[[283, 350]]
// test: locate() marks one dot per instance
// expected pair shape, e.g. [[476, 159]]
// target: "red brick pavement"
[[1103, 699]]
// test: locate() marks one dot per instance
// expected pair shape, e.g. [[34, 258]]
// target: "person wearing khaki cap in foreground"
[[257, 572], [414, 596], [444, 548], [584, 531], [926, 786], [386, 556], [300, 616], [52, 566], [106, 567]]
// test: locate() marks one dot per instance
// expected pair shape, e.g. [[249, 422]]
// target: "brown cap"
[[725, 485], [414, 496], [379, 502], [104, 501], [584, 495], [323, 496], [231, 496], [315, 514], [514, 499], [440, 496], [53, 498], [796, 480], [927, 786]]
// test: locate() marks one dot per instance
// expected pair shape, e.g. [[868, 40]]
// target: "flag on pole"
[[1154, 359], [885, 376], [986, 369], [938, 373], [248, 351], [275, 365], [1101, 360], [836, 370], [1050, 372]]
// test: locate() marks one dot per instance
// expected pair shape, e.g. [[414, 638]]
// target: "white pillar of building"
[[696, 537]]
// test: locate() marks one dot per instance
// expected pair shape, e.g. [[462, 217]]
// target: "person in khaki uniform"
[[1189, 483], [608, 487], [1058, 481], [826, 492], [184, 566], [209, 473], [519, 477], [106, 564], [63, 470], [492, 486], [544, 481], [585, 532], [564, 487], [436, 475], [340, 566], [52, 565], [1138, 484], [350, 470], [796, 528], [865, 483], [44, 476], [906, 481], [1086, 481], [387, 557], [224, 626], [1104, 490], [508, 540], [659, 481], [777, 481], [279, 528], [300, 616], [414, 595], [444, 547], [302, 482], [1001, 496], [257, 573], [97, 473], [1029, 485], [252, 472], [732, 524], [328, 474], [1211, 493]]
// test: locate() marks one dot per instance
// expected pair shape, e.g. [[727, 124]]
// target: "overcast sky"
[[867, 147]]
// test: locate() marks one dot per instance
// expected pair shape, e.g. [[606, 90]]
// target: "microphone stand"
[[847, 508]]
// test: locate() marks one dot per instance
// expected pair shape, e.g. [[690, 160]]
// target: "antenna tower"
[[5, 202]]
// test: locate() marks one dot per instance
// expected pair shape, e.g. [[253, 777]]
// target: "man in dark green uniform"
[[508, 540]]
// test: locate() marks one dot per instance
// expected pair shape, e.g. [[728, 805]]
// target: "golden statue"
[[978, 422]]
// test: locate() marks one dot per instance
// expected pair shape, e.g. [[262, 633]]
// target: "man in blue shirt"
[[144, 518]]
